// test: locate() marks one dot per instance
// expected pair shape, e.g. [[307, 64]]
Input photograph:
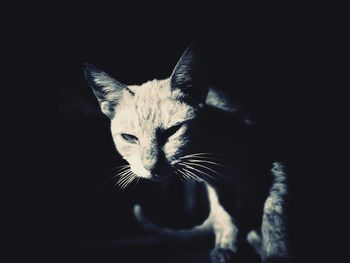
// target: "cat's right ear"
[[107, 90], [189, 74]]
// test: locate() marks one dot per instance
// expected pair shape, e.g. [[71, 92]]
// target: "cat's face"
[[151, 129], [151, 124]]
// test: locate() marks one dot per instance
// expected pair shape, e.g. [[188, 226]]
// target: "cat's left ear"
[[189, 75], [107, 90]]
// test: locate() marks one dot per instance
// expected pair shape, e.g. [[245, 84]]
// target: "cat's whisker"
[[200, 171], [123, 169], [121, 182], [138, 179], [184, 175], [189, 176], [131, 177], [201, 157], [205, 161], [121, 174], [123, 186], [194, 176], [119, 168], [124, 178], [205, 167], [134, 177], [202, 153], [177, 174], [181, 176]]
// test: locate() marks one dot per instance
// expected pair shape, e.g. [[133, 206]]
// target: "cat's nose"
[[154, 170], [150, 165], [149, 158]]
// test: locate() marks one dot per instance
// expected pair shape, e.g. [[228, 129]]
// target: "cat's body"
[[180, 127]]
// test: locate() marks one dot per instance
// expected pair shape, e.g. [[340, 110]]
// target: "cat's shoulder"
[[217, 98], [221, 105]]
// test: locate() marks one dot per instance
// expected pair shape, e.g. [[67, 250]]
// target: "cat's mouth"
[[161, 174], [153, 176], [159, 177]]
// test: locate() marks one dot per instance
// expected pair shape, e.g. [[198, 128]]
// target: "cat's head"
[[151, 123]]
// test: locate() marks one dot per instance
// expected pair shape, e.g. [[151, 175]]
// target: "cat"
[[183, 127]]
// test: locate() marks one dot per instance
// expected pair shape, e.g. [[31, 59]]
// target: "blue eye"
[[129, 138]]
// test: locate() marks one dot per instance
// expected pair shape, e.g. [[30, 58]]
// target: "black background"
[[269, 57]]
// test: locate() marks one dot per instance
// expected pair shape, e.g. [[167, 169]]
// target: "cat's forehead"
[[154, 89], [153, 105]]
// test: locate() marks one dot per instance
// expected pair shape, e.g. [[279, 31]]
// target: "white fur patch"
[[225, 231]]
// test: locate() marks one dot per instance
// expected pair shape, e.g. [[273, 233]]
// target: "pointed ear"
[[107, 90], [189, 75]]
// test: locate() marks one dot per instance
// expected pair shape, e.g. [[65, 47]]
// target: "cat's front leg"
[[226, 231]]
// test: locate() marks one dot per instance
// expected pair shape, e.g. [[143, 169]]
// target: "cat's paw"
[[221, 255]]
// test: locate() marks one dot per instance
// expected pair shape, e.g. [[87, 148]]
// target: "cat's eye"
[[172, 130], [129, 138]]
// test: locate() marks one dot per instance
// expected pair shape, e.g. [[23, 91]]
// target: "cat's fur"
[[164, 128]]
